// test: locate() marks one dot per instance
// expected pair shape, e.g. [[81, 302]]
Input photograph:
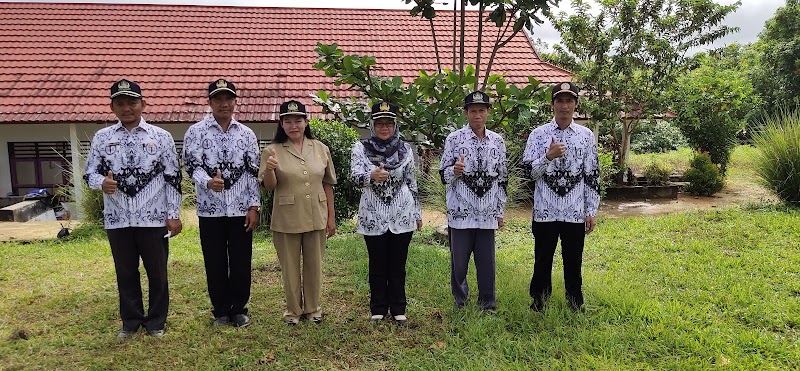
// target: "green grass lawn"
[[684, 291]]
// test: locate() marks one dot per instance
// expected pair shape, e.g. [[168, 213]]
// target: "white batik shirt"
[[477, 198], [568, 187], [206, 148], [144, 162], [389, 205]]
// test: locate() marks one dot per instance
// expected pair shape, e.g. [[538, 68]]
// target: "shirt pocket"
[[322, 197], [286, 200]]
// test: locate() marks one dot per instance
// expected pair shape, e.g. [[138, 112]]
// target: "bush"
[[340, 139], [703, 176], [91, 205], [656, 137], [608, 169], [657, 173], [777, 160]]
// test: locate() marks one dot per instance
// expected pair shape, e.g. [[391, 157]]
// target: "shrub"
[[608, 169], [340, 139], [659, 136], [703, 176], [188, 193], [91, 205], [657, 173], [777, 161]]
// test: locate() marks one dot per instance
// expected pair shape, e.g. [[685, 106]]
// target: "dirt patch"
[[31, 231]]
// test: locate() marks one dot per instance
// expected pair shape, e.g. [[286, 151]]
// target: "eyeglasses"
[[384, 125]]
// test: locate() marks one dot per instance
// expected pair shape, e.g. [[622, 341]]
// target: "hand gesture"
[[556, 149], [109, 184], [251, 219], [216, 183], [379, 174], [458, 168], [174, 226], [272, 160]]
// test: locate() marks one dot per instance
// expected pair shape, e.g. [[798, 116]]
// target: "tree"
[[628, 55], [510, 16], [711, 103], [777, 77], [431, 104]]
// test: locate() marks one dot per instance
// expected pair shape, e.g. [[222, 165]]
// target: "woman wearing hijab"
[[300, 170], [389, 212]]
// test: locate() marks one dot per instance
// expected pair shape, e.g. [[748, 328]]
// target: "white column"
[[77, 171]]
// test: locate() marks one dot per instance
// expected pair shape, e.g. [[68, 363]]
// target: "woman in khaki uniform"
[[300, 170]]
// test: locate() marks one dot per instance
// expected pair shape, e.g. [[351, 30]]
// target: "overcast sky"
[[750, 16]]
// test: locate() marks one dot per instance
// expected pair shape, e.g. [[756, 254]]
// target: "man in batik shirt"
[[473, 168], [221, 157], [136, 166]]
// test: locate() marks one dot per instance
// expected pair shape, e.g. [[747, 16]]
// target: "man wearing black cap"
[[136, 166], [473, 168], [222, 157], [562, 156]]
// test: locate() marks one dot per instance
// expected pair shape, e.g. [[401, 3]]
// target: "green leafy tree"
[[711, 104], [430, 105], [628, 54], [777, 76]]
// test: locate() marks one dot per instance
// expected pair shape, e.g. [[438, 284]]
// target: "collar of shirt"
[[554, 125], [143, 125], [212, 122]]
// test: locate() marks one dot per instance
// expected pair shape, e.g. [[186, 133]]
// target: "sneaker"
[[375, 319], [241, 320], [124, 334], [316, 320], [156, 333], [291, 322], [401, 320], [222, 321]]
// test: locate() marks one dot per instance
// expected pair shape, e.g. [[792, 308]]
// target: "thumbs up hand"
[[458, 168], [379, 174], [109, 184], [216, 184], [556, 149], [272, 160]]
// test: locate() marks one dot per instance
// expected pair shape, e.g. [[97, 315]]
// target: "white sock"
[[377, 317]]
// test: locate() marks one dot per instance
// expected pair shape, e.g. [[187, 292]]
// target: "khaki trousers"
[[302, 292]]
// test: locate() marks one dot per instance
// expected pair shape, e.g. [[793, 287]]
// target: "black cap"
[[477, 97], [126, 87], [565, 87], [220, 86], [384, 109], [293, 107]]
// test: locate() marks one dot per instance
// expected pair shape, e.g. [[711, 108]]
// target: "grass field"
[[684, 291], [700, 290]]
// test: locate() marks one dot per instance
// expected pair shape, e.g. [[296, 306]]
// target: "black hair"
[[280, 134]]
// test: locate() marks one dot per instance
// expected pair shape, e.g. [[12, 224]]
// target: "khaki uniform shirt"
[[299, 203]]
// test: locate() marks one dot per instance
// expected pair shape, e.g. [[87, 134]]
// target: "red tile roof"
[[59, 60]]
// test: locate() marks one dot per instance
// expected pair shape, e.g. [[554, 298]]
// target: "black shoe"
[[537, 306], [241, 320], [156, 333], [125, 334], [376, 319], [401, 320], [317, 320], [492, 311], [222, 321]]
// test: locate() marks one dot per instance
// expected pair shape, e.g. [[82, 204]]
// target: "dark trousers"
[[464, 243], [149, 244], [387, 272], [227, 252], [546, 235]]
